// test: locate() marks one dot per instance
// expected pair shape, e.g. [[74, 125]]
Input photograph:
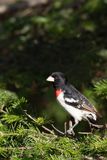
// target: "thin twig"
[[85, 132], [60, 132], [45, 128], [30, 117], [2, 111], [19, 148], [65, 126], [98, 126]]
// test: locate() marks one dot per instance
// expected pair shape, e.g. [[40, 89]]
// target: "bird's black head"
[[58, 79]]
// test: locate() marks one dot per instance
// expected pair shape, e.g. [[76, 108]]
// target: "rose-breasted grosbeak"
[[72, 100]]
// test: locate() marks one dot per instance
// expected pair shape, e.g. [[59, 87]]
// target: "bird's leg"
[[70, 130], [65, 128], [71, 127]]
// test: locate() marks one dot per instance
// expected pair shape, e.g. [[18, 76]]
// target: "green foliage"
[[100, 94], [94, 145], [39, 121], [6, 99], [101, 89]]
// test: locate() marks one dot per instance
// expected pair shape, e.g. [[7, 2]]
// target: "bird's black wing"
[[74, 98]]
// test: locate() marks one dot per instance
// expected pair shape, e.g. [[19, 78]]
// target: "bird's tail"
[[91, 116], [94, 116]]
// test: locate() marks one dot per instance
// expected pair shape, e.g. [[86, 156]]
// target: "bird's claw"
[[70, 132]]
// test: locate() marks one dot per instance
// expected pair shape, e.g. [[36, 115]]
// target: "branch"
[[85, 133], [65, 127], [19, 148], [2, 111], [94, 126], [30, 117], [99, 126], [47, 129], [60, 132]]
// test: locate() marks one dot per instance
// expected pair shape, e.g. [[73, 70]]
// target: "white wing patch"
[[71, 100]]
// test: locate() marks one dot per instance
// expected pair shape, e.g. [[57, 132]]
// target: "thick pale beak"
[[50, 79]]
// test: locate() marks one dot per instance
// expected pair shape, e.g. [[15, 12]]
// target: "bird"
[[74, 102]]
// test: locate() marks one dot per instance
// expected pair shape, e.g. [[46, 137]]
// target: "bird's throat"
[[58, 92]]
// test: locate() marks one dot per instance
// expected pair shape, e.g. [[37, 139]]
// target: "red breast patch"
[[57, 92]]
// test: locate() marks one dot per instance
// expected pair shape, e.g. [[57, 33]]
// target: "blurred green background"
[[40, 37]]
